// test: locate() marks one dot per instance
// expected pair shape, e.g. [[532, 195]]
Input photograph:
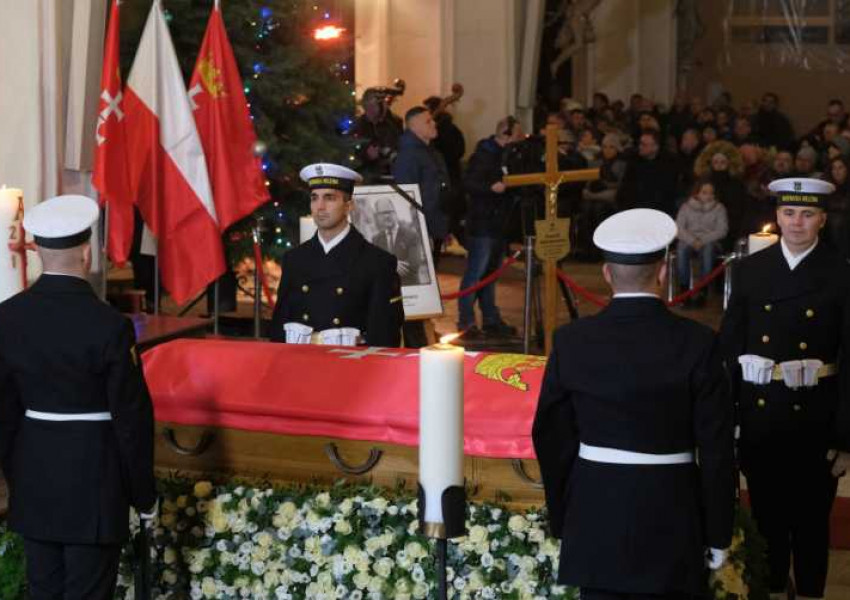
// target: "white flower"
[[518, 524], [169, 556], [208, 587], [477, 534], [536, 535], [361, 580], [459, 583], [487, 560], [258, 567], [420, 590], [383, 567], [379, 504], [169, 577], [343, 527]]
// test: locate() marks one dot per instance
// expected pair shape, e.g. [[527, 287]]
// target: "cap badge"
[[798, 186]]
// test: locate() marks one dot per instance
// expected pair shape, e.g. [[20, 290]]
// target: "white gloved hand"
[[756, 369], [840, 462], [715, 557], [792, 373], [147, 517], [297, 333], [349, 336], [811, 367]]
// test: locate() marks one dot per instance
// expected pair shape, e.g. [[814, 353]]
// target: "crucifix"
[[552, 234], [18, 242]]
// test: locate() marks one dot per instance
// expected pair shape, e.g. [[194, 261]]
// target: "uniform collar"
[[54, 282], [792, 259], [334, 241]]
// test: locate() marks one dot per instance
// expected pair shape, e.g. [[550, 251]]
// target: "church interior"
[[265, 169]]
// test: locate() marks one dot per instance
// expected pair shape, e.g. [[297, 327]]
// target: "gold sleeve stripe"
[[396, 299]]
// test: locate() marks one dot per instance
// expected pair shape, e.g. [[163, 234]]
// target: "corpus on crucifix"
[[552, 241]]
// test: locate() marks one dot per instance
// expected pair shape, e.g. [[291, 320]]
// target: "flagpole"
[[156, 280], [216, 308], [103, 252]]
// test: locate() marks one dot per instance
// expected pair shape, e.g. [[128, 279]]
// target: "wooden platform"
[[222, 452]]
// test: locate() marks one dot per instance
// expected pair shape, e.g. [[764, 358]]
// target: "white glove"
[[296, 333], [756, 369], [841, 463], [792, 373], [715, 557], [343, 336], [811, 366], [147, 518]]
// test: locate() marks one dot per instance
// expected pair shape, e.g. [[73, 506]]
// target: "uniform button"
[[305, 317], [336, 321], [797, 408], [803, 345], [765, 338], [760, 402], [768, 307], [305, 288], [810, 313], [339, 291]]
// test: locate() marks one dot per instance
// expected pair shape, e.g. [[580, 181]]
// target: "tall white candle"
[[761, 240], [11, 266], [440, 424], [306, 229]]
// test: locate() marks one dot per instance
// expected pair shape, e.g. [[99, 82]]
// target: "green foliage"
[[12, 566]]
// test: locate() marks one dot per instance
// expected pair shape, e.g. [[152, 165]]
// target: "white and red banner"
[[224, 124], [110, 176], [168, 173]]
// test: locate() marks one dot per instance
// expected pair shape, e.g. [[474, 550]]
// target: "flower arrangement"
[[744, 575], [12, 571], [233, 541]]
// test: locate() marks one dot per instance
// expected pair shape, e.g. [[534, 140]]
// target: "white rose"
[[517, 524], [477, 534], [420, 590], [169, 577], [169, 556], [343, 527], [383, 567], [208, 587], [361, 580]]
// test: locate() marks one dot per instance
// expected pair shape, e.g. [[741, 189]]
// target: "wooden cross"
[[553, 234]]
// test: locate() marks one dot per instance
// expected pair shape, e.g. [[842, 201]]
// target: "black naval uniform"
[[782, 314], [353, 285], [638, 378], [72, 482]]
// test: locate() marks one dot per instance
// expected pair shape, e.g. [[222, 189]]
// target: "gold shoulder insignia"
[[508, 368]]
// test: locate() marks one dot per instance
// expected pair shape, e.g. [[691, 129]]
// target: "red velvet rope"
[[484, 282], [258, 264], [600, 301]]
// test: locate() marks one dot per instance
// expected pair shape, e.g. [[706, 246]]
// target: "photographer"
[[378, 131], [489, 206]]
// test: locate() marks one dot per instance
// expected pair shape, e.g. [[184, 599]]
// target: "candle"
[[11, 266], [761, 240], [306, 229], [440, 425]]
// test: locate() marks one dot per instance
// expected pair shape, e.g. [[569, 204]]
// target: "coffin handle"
[[519, 469], [333, 453], [199, 448]]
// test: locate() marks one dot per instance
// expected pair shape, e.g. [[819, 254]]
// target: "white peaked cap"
[[62, 221], [636, 236]]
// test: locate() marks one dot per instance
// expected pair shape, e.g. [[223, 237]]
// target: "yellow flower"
[[168, 520], [202, 489], [182, 501]]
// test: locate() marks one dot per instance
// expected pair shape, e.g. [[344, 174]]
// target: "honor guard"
[[783, 336], [76, 422], [629, 398], [337, 288]]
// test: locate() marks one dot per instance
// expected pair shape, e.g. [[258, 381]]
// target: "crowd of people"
[[706, 165]]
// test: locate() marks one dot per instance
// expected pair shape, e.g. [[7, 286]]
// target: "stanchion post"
[[671, 275], [216, 308], [257, 284], [104, 249], [156, 281], [529, 280], [739, 252]]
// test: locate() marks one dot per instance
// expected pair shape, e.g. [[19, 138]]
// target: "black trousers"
[[71, 572], [791, 494], [592, 594]]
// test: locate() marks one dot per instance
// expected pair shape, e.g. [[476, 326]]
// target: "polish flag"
[[110, 155], [168, 173], [224, 124]]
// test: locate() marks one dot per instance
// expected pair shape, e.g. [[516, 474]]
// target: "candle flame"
[[767, 228], [329, 32], [449, 338]]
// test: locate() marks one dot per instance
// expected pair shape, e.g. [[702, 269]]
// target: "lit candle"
[[440, 424], [11, 275], [306, 229], [761, 240]]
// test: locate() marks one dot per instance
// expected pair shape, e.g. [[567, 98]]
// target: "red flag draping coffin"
[[348, 393]]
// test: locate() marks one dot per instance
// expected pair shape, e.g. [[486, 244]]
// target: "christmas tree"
[[299, 90]]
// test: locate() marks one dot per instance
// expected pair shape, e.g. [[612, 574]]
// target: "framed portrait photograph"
[[388, 220]]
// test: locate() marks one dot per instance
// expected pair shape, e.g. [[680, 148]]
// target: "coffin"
[[316, 414]]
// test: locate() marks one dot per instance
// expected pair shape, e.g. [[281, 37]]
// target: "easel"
[[552, 240]]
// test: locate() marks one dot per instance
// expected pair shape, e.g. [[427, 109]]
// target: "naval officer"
[[76, 422], [337, 288], [630, 397]]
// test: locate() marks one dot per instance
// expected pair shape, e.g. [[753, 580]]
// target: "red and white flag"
[[224, 124], [168, 173], [110, 177]]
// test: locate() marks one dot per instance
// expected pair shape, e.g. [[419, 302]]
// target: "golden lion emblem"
[[508, 368], [211, 77]]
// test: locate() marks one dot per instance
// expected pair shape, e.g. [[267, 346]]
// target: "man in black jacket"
[[784, 337], [650, 179], [630, 396], [489, 206], [337, 283], [76, 422]]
